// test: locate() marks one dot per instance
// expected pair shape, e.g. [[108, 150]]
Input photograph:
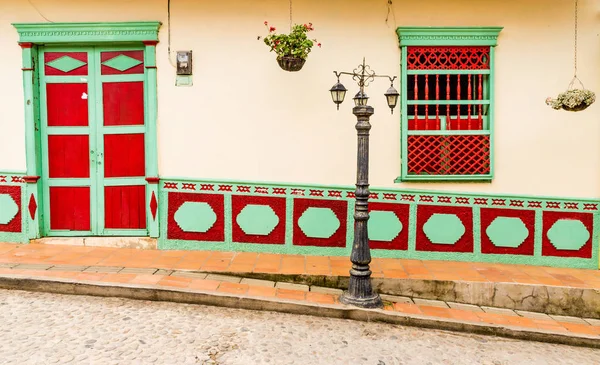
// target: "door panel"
[[70, 208], [125, 207], [68, 156], [122, 62], [93, 141], [124, 155], [123, 103], [65, 63], [67, 105]]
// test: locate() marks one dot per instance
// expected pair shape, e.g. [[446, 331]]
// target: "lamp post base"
[[373, 301]]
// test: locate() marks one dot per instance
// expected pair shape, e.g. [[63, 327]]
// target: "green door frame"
[[32, 35]]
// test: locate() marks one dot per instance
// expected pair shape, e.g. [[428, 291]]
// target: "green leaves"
[[295, 44]]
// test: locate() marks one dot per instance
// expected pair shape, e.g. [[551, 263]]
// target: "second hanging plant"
[[573, 99], [292, 49]]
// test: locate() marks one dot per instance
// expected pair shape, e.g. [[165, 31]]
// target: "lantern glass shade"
[[360, 99], [392, 98], [338, 93]]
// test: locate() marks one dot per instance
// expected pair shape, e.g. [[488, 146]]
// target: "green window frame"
[[447, 101]]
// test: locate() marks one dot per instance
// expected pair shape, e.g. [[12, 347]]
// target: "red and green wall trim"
[[15, 208], [318, 220]]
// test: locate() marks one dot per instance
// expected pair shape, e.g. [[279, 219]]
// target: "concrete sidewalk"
[[418, 292]]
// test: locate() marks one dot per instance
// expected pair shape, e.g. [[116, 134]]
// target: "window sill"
[[451, 178]]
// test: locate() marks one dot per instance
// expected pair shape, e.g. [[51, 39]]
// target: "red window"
[[447, 96]]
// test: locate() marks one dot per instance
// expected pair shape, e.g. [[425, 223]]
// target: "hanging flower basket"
[[291, 49], [291, 63], [573, 100]]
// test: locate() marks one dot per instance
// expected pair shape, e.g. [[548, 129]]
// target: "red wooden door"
[[122, 140], [67, 146], [93, 141]]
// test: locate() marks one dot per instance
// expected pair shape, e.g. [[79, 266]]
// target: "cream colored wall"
[[246, 119]]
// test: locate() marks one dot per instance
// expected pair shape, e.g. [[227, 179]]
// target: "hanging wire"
[[575, 78], [290, 16], [39, 12], [390, 9], [169, 33], [576, 37]]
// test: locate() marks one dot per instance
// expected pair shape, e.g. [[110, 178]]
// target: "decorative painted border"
[[87, 32], [12, 178], [448, 36], [420, 204], [9, 183], [382, 195]]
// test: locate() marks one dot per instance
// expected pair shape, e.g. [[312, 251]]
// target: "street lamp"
[[392, 96], [338, 92], [360, 290]]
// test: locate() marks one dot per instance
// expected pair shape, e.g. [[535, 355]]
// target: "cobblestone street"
[[39, 328]]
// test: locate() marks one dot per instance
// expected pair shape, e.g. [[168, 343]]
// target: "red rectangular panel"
[[67, 105], [68, 156], [124, 155], [123, 103], [64, 62], [586, 220], [70, 208], [14, 192], [400, 242], [216, 233], [277, 205], [527, 217], [125, 207], [338, 207], [465, 124], [429, 124], [464, 242], [127, 64]]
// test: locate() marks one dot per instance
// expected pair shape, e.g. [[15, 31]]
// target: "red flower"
[[277, 42], [266, 22], [272, 29], [319, 45]]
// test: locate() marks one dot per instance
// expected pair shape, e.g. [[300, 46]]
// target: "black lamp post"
[[360, 291]]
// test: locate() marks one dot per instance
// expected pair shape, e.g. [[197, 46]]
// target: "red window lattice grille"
[[449, 155], [448, 58]]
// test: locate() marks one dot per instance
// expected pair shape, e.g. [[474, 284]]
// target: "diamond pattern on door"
[[122, 62], [65, 63]]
